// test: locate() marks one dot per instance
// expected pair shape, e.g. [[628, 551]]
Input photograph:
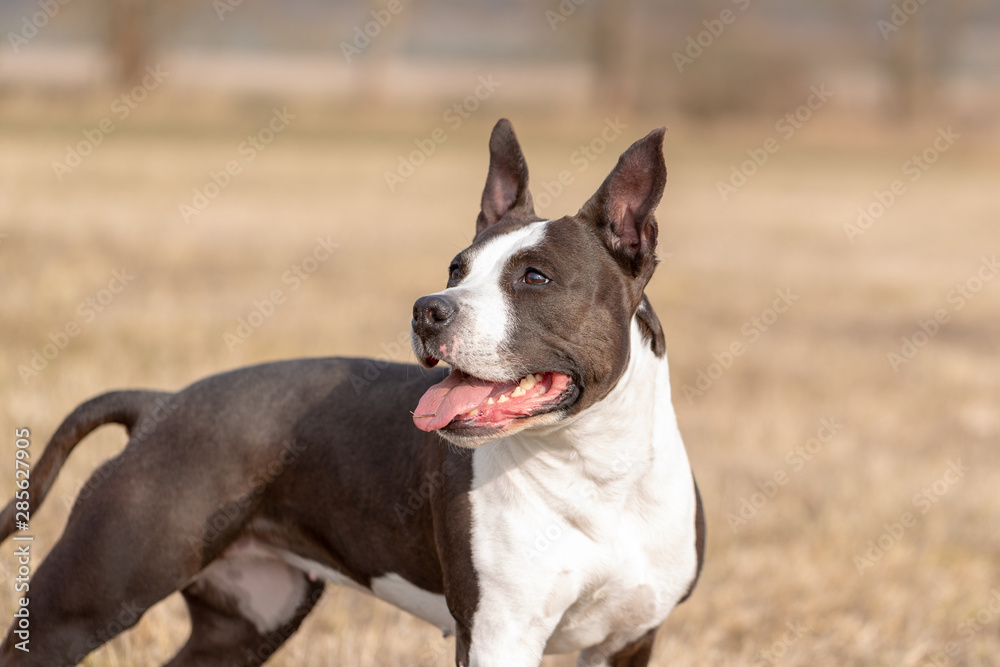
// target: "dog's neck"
[[603, 453]]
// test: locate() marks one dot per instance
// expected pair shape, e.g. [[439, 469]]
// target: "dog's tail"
[[119, 407]]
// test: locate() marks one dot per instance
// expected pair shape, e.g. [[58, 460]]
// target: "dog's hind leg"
[[137, 535], [242, 611], [117, 557]]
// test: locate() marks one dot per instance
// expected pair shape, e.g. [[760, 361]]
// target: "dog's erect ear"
[[622, 208], [506, 188]]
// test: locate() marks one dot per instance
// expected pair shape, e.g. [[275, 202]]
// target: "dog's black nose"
[[431, 313]]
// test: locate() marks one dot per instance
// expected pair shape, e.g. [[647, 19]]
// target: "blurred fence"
[[725, 57]]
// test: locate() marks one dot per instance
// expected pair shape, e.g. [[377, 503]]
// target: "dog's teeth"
[[503, 398], [474, 412], [539, 377], [527, 382], [518, 392], [490, 401]]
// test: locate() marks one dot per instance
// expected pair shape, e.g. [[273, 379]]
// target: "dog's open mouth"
[[462, 401]]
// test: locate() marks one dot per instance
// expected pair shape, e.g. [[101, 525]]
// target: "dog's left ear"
[[506, 190], [622, 208]]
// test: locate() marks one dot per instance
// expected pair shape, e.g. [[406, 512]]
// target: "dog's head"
[[536, 317]]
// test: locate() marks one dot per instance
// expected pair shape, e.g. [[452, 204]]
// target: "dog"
[[538, 499]]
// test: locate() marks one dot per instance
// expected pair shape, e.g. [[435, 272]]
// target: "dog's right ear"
[[506, 188], [622, 208]]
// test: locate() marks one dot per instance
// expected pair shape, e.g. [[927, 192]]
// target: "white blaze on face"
[[485, 320]]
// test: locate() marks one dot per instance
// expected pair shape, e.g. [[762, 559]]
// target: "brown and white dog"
[[566, 519]]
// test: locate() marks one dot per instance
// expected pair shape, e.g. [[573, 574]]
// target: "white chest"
[[583, 563]]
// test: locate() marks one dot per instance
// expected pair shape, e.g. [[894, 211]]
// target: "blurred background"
[[191, 186]]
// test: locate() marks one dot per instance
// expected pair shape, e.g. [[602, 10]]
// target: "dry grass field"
[[808, 447]]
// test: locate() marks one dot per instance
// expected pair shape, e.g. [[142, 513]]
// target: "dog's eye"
[[455, 274], [533, 277]]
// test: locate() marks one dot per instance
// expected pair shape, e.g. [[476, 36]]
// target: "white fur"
[[583, 532], [268, 586], [484, 326], [391, 587], [431, 607], [266, 589], [316, 570]]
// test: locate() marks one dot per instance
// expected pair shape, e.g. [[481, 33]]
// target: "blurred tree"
[[135, 28], [906, 67], [129, 38], [374, 63], [616, 54]]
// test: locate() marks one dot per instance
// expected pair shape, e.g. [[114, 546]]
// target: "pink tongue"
[[455, 395]]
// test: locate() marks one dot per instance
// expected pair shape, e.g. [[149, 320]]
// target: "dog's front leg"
[[612, 654], [508, 638]]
